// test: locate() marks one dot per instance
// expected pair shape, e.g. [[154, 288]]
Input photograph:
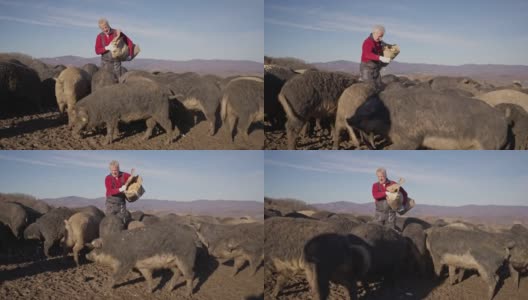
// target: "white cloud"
[[27, 160], [30, 21], [296, 25], [296, 166], [320, 20], [333, 163], [67, 17]]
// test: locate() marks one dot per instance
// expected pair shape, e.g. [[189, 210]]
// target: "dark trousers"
[[117, 206], [112, 66], [370, 73], [384, 214]]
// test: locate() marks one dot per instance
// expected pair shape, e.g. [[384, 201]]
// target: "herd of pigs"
[[348, 249], [324, 247], [440, 113], [95, 98], [143, 242]]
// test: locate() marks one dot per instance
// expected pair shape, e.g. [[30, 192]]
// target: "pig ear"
[[65, 222], [195, 224], [97, 243], [232, 245], [510, 245]]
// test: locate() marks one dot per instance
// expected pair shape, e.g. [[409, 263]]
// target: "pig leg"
[[452, 275], [437, 265], [490, 278], [405, 143], [352, 135], [175, 276], [244, 123], [238, 263], [65, 249], [61, 105], [212, 123], [76, 249], [339, 125], [515, 275], [318, 124], [111, 128], [48, 243], [188, 275], [118, 276], [351, 289], [232, 121], [147, 273], [253, 264], [166, 124], [293, 125], [306, 129], [151, 123], [279, 284], [70, 115], [460, 275], [318, 281]]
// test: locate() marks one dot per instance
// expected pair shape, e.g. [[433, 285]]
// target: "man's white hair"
[[381, 170], [114, 163], [378, 28], [103, 21]]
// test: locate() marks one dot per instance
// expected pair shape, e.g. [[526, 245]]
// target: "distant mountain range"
[[218, 208], [214, 66], [501, 74], [500, 214]]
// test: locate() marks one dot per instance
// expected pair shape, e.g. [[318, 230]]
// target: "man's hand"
[[132, 171], [122, 189], [110, 47], [129, 58], [384, 59]]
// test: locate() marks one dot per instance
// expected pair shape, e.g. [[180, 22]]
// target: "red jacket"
[[100, 48], [113, 184], [371, 49], [378, 191]]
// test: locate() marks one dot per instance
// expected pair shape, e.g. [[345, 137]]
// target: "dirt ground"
[[49, 131], [319, 139], [56, 278], [471, 288]]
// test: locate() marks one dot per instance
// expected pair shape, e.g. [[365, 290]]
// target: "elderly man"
[[385, 215], [372, 59], [115, 188], [104, 48]]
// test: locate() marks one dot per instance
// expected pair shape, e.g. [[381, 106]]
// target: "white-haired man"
[[104, 48], [372, 59], [115, 187], [385, 215]]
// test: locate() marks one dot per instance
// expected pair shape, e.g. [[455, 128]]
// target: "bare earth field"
[[471, 288], [320, 139], [56, 278], [49, 131]]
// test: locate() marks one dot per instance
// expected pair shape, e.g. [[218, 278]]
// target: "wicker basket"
[[134, 188], [120, 51], [391, 51]]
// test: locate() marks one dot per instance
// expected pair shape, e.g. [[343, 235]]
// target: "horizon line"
[[401, 62], [362, 203]]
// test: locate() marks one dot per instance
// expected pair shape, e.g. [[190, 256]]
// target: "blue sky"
[[177, 30], [445, 32], [167, 175], [450, 178]]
